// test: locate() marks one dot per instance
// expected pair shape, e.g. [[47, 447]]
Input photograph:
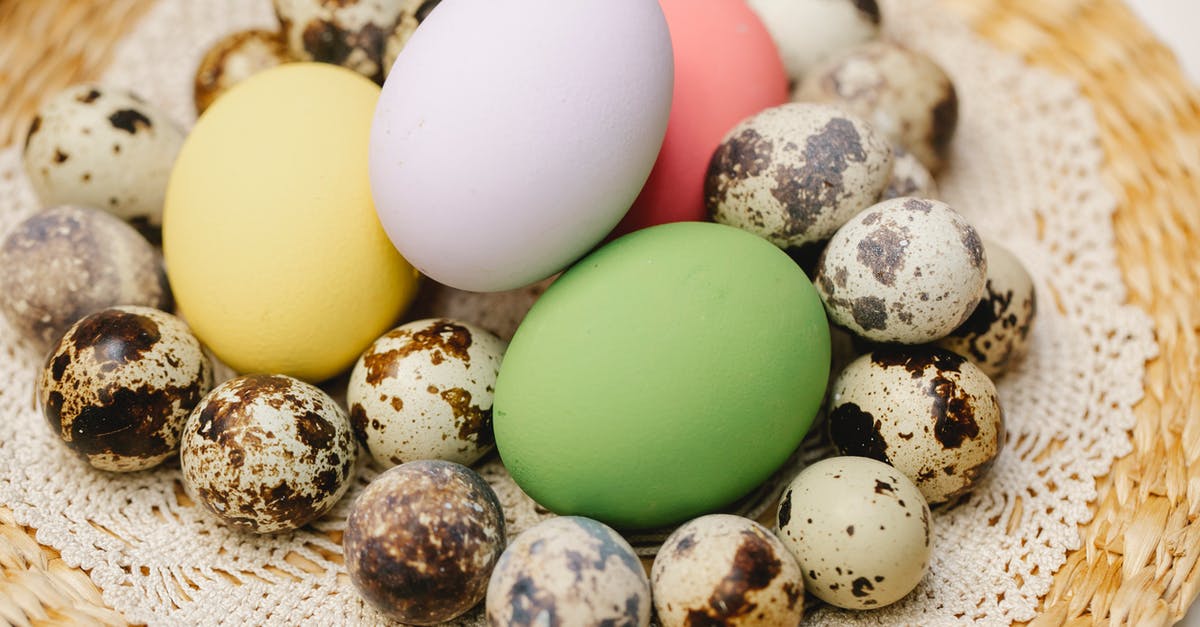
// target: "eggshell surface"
[[726, 68], [276, 257], [512, 137], [664, 375]]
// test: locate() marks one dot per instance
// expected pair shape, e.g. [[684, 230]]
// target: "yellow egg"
[[273, 249]]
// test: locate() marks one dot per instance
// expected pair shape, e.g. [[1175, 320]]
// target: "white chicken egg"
[[810, 31]]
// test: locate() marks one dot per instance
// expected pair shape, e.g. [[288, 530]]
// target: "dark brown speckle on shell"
[[349, 33], [234, 58], [422, 539], [119, 385]]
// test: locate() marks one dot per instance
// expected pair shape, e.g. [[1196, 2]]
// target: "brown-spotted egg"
[[118, 386], [726, 570], [795, 173], [859, 529], [267, 453], [63, 263], [424, 391], [928, 412], [349, 33], [412, 13], [902, 93], [234, 58], [569, 571], [910, 177], [105, 148], [810, 31], [422, 539], [996, 335], [907, 270]]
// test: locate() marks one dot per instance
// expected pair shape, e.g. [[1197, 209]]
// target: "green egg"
[[663, 376]]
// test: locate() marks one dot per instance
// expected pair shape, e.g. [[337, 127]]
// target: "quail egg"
[[424, 391], [412, 13], [795, 173], [63, 263], [267, 453], [996, 335], [928, 412], [902, 93], [349, 33], [810, 31], [569, 571], [907, 270], [726, 570], [105, 148], [234, 58], [118, 386], [422, 539], [859, 530], [910, 177]]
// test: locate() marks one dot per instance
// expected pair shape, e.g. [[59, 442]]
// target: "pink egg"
[[726, 69]]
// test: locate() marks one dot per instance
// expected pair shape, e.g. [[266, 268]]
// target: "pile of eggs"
[[723, 184]]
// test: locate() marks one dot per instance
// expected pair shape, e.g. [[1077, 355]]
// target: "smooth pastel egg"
[[726, 68], [511, 137]]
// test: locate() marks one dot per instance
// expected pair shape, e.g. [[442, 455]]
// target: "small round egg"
[[996, 335], [929, 412], [105, 148], [424, 391], [910, 177], [907, 270], [267, 453], [412, 13], [349, 33], [726, 570], [795, 173], [903, 93], [569, 571], [63, 263], [234, 58], [810, 31], [118, 386], [422, 539], [859, 529]]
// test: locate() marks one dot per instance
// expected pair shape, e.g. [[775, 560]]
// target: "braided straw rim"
[[1138, 559]]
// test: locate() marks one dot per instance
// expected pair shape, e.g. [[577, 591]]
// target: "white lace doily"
[[1025, 169]]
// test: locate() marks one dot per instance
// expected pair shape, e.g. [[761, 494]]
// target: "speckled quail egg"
[[928, 412], [795, 173], [118, 386], [859, 530], [422, 539], [907, 270], [901, 92], [412, 13], [349, 33], [810, 31], [726, 570], [105, 148], [424, 391], [267, 453], [996, 335], [569, 571], [234, 58], [63, 263], [910, 177]]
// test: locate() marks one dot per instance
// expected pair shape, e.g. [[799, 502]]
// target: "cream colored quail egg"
[[726, 570], [795, 173], [996, 335], [234, 58], [267, 453], [859, 530], [105, 148], [349, 33], [907, 270], [424, 391], [910, 177], [928, 412], [63, 263], [810, 31], [903, 93], [569, 571], [422, 539], [119, 385]]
